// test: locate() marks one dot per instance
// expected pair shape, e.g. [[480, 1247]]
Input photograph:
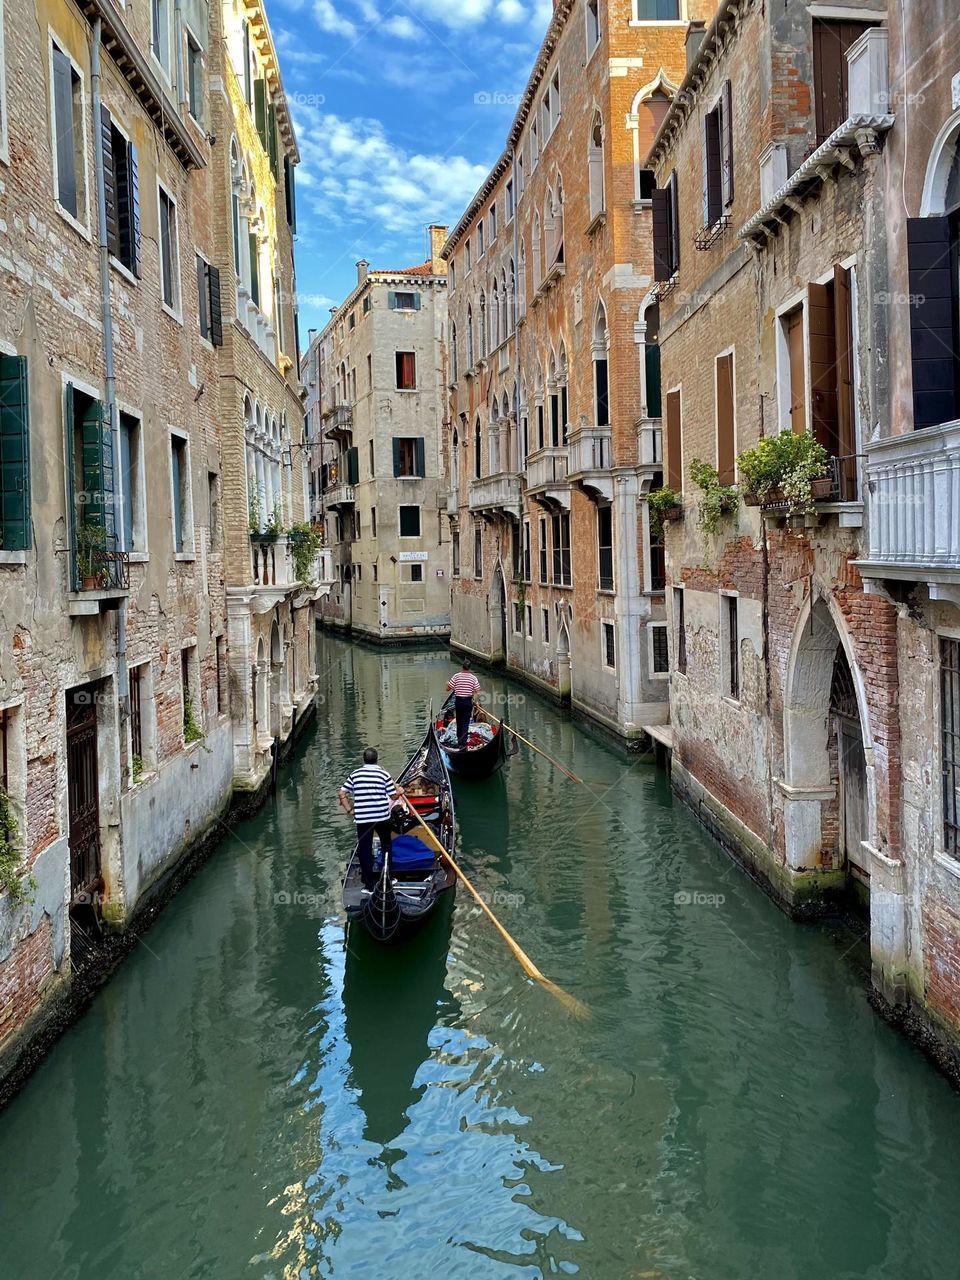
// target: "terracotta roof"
[[424, 269]]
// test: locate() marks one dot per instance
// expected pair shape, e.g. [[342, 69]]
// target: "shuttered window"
[[91, 477], [169, 252], [15, 527], [666, 230], [673, 459], [932, 261], [209, 307], [403, 301], [712, 195], [726, 434], [409, 456], [406, 371], [68, 132], [121, 192], [254, 252], [831, 40], [353, 465], [290, 198], [273, 144], [260, 108]]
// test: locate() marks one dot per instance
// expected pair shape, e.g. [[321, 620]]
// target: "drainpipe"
[[110, 377], [178, 39]]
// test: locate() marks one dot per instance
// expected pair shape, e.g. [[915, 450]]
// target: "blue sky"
[[400, 109]]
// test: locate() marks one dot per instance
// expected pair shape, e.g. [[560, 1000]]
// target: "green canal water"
[[252, 1096]]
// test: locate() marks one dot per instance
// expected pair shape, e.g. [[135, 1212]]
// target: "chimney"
[[311, 334], [695, 33], [363, 266], [438, 238]]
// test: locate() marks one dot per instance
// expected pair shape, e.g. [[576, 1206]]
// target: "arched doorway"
[[827, 808], [498, 616], [564, 674]]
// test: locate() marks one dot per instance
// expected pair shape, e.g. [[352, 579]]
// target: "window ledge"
[[174, 315], [138, 557], [950, 865], [184, 557], [596, 222], [68, 217], [124, 271], [13, 558]]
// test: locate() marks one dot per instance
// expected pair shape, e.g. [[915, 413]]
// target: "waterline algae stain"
[[252, 1096]]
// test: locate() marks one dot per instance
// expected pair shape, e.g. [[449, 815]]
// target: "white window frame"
[[604, 623], [148, 722], [411, 536], [723, 632], [636, 21], [189, 551], [175, 312], [591, 48], [798, 299], [650, 628], [544, 626], [529, 621], [83, 228], [207, 343], [166, 72], [141, 524], [17, 784], [189, 36]]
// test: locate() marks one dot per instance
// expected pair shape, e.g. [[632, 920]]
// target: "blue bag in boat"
[[411, 854]]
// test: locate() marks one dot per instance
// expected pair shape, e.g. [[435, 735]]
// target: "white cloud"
[[402, 27], [329, 19]]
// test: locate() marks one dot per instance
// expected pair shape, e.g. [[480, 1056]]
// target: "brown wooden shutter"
[[674, 223], [661, 234], [216, 311], [674, 446], [823, 367], [726, 443], [831, 40], [846, 410], [133, 178], [109, 181], [793, 328], [726, 144], [933, 320]]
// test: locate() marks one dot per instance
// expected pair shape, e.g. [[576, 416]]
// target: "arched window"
[[470, 358], [601, 386], [540, 408], [512, 310], [453, 353], [595, 167], [483, 324], [522, 281], [504, 308], [523, 427], [477, 451], [562, 386], [936, 378], [494, 316], [557, 255], [537, 253], [553, 391], [651, 398]]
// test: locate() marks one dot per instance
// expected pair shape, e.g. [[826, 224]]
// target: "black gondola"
[[412, 879], [481, 761]]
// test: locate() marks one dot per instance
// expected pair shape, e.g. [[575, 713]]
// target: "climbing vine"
[[13, 879], [191, 729]]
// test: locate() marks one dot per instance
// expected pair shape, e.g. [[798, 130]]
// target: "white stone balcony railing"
[[547, 467], [591, 457], [340, 495], [271, 561], [338, 419], [913, 509], [500, 492], [650, 443]]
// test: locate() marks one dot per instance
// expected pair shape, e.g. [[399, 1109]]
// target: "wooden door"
[[83, 794]]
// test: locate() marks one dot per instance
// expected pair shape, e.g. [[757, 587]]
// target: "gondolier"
[[466, 689], [369, 795]]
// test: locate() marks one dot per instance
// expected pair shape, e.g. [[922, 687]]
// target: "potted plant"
[[718, 499], [91, 545], [783, 469], [665, 504], [305, 541], [254, 511]]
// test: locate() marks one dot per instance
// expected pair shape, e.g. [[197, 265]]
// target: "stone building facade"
[[554, 433], [376, 379], [120, 444], [812, 647]]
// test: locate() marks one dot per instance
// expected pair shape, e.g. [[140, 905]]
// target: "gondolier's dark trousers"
[[365, 833], [464, 710]]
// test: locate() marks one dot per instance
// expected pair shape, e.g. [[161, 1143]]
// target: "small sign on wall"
[[439, 573], [407, 556]]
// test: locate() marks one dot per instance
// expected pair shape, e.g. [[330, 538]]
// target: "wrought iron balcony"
[[913, 509], [547, 477], [591, 458], [496, 495], [99, 571]]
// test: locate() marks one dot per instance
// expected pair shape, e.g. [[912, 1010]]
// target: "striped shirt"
[[371, 788], [464, 684]]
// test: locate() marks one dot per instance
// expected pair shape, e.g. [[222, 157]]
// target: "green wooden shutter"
[[216, 310], [652, 362], [391, 300], [290, 191], [416, 302], [109, 181], [272, 146], [99, 485], [254, 269], [15, 528], [260, 108], [396, 456], [64, 130], [353, 466], [133, 176], [419, 464], [203, 298], [68, 456]]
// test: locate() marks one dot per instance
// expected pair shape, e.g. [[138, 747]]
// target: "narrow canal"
[[248, 1098]]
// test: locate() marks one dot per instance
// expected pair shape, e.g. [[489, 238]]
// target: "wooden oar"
[[569, 1002], [520, 738]]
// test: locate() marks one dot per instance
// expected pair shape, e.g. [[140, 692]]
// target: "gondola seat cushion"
[[411, 854]]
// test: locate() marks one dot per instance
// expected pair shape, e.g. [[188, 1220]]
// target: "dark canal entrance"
[[249, 1099]]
